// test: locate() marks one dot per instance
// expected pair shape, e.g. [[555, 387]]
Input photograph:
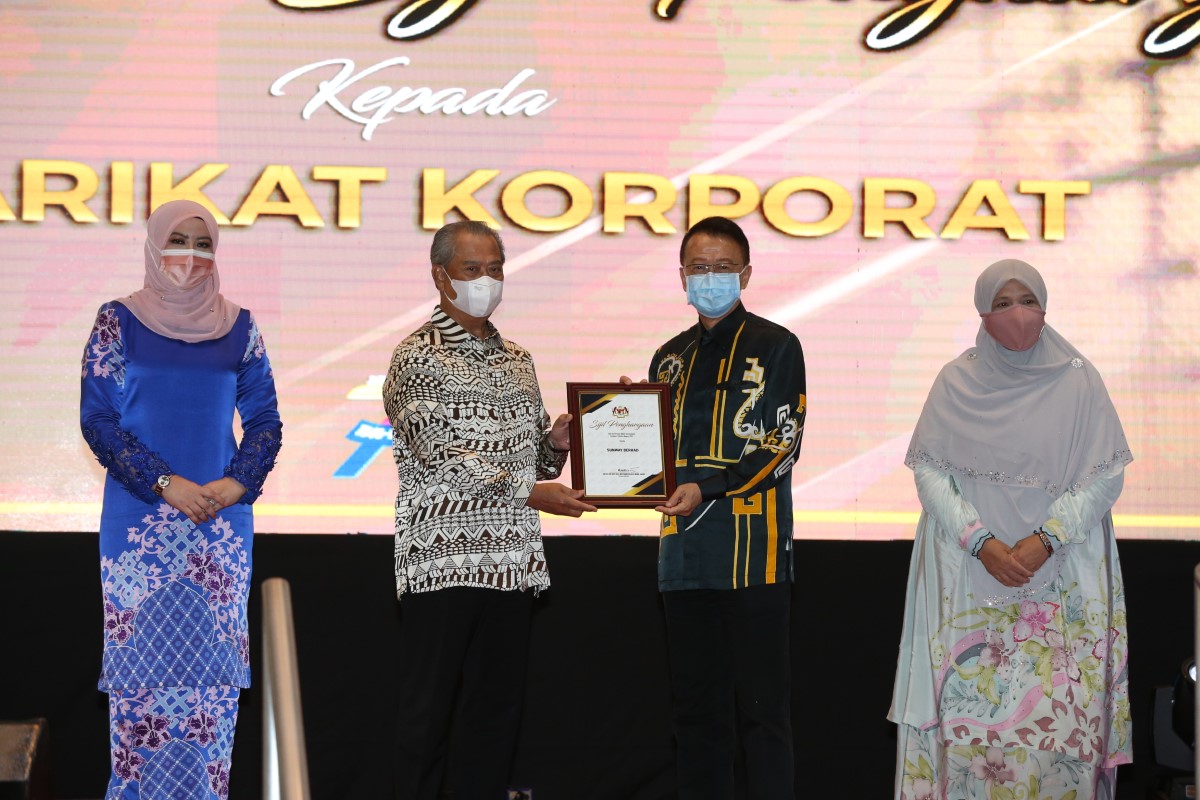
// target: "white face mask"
[[479, 297], [187, 269]]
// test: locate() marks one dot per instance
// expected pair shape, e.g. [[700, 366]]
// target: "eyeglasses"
[[720, 268]]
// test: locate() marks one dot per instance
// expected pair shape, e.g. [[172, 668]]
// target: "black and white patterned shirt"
[[470, 438]]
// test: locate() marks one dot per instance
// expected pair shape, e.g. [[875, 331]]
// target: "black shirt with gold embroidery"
[[737, 394]]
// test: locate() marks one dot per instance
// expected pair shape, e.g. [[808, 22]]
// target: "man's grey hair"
[[441, 252]]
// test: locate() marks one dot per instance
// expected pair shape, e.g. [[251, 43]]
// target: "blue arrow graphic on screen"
[[372, 439]]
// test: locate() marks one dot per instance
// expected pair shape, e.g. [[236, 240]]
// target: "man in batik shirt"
[[471, 440]]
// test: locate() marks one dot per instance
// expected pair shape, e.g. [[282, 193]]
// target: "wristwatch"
[[162, 483]]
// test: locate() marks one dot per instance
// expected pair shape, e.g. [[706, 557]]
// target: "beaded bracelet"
[[1045, 537]]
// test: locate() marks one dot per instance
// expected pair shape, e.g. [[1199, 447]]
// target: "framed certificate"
[[622, 449]]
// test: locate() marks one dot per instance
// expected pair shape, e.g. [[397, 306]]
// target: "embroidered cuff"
[[1057, 530], [977, 541], [965, 538]]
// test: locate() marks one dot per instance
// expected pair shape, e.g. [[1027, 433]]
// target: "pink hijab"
[[189, 315]]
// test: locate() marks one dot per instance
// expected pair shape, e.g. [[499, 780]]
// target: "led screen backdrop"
[[878, 155]]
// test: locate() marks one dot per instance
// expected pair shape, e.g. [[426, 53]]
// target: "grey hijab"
[[1017, 429]]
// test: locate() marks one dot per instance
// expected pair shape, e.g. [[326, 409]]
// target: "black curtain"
[[596, 719]]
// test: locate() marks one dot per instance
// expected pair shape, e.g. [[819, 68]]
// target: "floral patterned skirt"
[[935, 770], [171, 743]]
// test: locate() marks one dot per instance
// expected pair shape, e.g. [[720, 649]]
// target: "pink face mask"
[[1016, 327], [187, 269]]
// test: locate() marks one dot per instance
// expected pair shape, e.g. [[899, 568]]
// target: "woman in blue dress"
[[163, 373]]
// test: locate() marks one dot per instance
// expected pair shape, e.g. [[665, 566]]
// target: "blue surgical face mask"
[[715, 293]]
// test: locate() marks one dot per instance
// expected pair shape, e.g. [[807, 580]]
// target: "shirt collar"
[[452, 333], [723, 329]]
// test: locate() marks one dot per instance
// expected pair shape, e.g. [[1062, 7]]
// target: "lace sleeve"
[[128, 461], [262, 431], [254, 460]]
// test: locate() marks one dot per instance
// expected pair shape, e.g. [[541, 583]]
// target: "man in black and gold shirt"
[[725, 556]]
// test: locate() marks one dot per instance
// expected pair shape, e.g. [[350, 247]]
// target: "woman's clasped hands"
[[201, 503], [1013, 566]]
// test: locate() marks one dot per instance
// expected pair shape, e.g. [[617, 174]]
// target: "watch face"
[[164, 481]]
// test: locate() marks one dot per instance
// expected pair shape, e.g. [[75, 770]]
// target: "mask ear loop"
[[446, 281]]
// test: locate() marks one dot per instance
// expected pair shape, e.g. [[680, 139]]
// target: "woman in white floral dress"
[[1012, 675]]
